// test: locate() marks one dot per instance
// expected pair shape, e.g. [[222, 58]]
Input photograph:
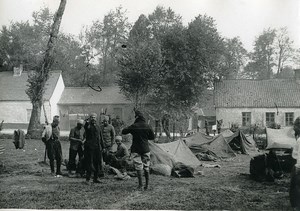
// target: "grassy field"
[[25, 182]]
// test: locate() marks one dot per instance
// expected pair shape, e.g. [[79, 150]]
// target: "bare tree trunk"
[[34, 127], [38, 82]]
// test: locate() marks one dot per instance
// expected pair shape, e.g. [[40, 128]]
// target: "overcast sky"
[[243, 18]]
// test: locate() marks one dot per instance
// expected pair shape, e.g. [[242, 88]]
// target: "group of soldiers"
[[93, 144]]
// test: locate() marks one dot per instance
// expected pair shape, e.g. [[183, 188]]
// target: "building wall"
[[258, 115], [59, 88], [70, 113], [18, 113]]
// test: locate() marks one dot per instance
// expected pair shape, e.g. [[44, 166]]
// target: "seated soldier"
[[119, 158]]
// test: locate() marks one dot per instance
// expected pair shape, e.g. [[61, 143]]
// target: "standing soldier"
[[76, 138], [206, 127], [141, 132], [93, 148], [108, 132], [53, 147], [117, 123]]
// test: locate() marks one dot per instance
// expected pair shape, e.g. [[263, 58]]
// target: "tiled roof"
[[257, 93], [12, 88], [86, 95]]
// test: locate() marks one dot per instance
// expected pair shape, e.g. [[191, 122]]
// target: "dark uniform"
[[119, 159], [117, 123], [108, 132], [93, 150], [75, 148], [53, 146], [141, 132]]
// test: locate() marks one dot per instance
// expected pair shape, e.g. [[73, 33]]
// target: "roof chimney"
[[18, 70]]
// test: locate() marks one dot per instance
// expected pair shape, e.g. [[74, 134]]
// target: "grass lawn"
[[25, 182]]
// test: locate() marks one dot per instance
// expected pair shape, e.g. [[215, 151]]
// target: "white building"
[[15, 105], [260, 102]]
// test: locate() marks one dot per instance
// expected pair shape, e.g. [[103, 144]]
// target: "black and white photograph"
[[150, 105]]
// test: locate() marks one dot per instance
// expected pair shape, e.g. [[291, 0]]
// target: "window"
[[270, 119], [28, 114], [289, 119], [246, 118]]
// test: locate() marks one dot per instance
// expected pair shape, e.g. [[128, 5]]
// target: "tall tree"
[[234, 56], [284, 48], [162, 20], [37, 80], [263, 57], [139, 62], [105, 38]]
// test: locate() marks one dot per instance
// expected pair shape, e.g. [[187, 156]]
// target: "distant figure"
[[93, 148], [76, 138], [141, 132], [51, 138], [108, 132], [206, 127], [219, 125], [117, 123], [166, 124]]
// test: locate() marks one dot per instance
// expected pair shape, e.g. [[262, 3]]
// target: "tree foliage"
[[102, 42], [37, 80], [273, 51], [140, 62]]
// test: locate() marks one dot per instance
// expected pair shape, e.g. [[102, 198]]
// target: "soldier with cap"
[[93, 148], [76, 138], [140, 151], [117, 123], [108, 132], [53, 146], [119, 158]]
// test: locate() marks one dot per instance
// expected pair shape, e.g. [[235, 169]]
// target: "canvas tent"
[[280, 138], [214, 146], [164, 157], [180, 152], [219, 147], [197, 139], [222, 145], [238, 141]]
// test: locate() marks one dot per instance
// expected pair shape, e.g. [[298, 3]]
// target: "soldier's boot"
[[58, 165], [52, 167], [140, 179], [147, 175]]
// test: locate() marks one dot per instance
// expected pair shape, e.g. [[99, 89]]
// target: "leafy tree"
[[162, 20], [69, 59], [37, 80], [284, 48], [139, 62], [286, 72], [103, 39], [263, 58], [234, 57], [205, 49]]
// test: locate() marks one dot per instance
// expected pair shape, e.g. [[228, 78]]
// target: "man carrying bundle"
[[51, 137]]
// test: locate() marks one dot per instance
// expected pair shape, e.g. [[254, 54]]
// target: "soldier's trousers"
[[93, 161]]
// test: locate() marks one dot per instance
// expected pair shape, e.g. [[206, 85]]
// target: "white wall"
[[258, 115], [16, 111], [60, 86]]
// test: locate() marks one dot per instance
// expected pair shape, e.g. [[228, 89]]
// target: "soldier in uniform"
[[93, 148], [53, 147], [76, 138]]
